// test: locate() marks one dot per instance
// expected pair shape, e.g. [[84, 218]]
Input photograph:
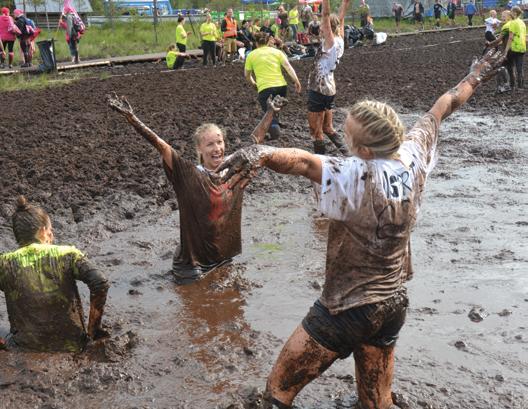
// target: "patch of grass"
[[271, 247], [19, 82]]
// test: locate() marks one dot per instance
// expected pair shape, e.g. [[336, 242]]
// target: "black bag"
[[47, 53]]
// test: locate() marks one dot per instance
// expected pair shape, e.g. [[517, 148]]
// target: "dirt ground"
[[211, 344]]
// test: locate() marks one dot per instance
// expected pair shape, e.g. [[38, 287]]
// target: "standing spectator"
[[437, 11], [470, 12], [208, 33], [418, 13], [492, 23], [263, 70], [7, 37], [451, 9], [397, 10], [306, 16], [181, 35], [509, 5], [74, 28], [24, 33], [283, 22], [219, 46], [364, 12], [293, 18], [229, 28], [516, 46]]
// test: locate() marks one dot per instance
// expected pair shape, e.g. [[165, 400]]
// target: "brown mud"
[[211, 344]]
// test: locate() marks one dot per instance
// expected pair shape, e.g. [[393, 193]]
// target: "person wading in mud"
[[321, 82], [38, 280], [210, 212], [263, 70], [372, 199]]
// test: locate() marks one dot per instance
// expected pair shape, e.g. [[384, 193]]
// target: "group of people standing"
[[21, 27], [371, 194], [221, 41]]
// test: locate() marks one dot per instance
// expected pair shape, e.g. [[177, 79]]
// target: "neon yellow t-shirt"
[[208, 31], [265, 62], [293, 16], [171, 58], [181, 35], [518, 28]]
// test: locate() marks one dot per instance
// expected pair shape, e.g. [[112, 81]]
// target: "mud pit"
[[209, 344]]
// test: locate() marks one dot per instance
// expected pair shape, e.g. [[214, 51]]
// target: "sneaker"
[[2, 66], [10, 66]]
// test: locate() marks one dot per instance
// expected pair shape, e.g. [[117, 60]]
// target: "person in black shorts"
[[418, 12], [437, 11]]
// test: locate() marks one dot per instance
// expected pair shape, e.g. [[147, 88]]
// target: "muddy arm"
[[243, 164], [342, 14], [98, 285], [481, 70], [274, 106], [121, 105], [326, 28]]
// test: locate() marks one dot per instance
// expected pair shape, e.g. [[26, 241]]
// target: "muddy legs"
[[300, 361], [374, 372], [322, 123]]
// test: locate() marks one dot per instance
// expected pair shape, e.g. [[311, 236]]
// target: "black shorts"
[[8, 45], [181, 47], [318, 102], [273, 91], [489, 36], [418, 18], [375, 324]]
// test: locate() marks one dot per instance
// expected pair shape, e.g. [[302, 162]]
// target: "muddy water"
[[205, 345]]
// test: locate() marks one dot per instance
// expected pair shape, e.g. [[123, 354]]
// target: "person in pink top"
[[70, 21], [7, 37]]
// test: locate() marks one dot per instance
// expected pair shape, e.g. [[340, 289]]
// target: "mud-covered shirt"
[[321, 77], [43, 304], [373, 205], [210, 216]]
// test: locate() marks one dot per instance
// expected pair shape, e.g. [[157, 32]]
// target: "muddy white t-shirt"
[[373, 205], [321, 77]]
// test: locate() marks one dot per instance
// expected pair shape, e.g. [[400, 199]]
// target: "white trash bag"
[[380, 38]]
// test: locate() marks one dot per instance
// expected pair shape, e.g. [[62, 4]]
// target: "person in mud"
[[516, 47], [321, 82], [263, 69], [492, 24], [175, 58], [210, 212], [38, 280], [372, 199]]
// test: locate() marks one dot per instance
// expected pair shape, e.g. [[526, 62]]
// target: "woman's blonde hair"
[[382, 130], [335, 24], [199, 133], [506, 14]]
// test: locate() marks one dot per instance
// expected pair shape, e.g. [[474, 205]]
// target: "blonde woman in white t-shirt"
[[372, 199]]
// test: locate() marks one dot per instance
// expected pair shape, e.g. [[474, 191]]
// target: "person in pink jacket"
[[69, 21], [7, 37]]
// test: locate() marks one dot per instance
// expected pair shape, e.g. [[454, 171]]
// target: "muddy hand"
[[3, 344], [243, 164], [120, 104], [276, 103], [486, 67]]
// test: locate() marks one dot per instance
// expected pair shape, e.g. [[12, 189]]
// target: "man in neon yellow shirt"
[[263, 69], [516, 46], [209, 34], [293, 17], [181, 35]]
